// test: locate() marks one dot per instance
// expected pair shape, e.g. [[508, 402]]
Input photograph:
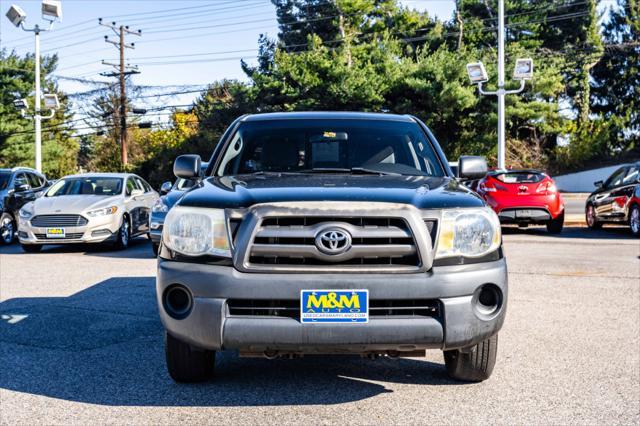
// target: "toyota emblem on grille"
[[333, 241]]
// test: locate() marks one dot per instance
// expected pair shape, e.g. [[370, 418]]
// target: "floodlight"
[[51, 101], [21, 104], [523, 69], [477, 73], [52, 8], [16, 15]]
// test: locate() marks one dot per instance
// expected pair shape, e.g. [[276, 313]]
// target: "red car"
[[524, 197]]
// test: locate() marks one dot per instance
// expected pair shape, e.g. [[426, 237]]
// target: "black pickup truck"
[[330, 233]]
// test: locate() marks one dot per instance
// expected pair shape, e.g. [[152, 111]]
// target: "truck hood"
[[245, 191], [72, 204]]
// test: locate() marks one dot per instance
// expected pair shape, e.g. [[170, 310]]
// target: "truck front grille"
[[58, 220], [375, 242], [381, 308]]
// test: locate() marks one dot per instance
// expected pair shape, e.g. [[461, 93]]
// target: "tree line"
[[580, 110]]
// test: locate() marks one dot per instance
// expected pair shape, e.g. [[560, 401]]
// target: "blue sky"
[[227, 29]]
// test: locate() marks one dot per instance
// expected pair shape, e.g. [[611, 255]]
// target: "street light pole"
[[37, 117], [501, 91]]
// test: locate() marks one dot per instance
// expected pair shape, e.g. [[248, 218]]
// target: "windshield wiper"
[[364, 170], [353, 171]]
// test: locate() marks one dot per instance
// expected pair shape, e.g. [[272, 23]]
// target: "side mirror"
[[472, 167], [50, 182], [22, 187], [166, 187], [187, 166], [137, 192], [598, 184]]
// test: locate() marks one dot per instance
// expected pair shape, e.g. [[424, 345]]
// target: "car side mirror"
[[166, 188], [187, 166], [22, 188], [137, 192], [598, 184], [472, 167], [50, 182]]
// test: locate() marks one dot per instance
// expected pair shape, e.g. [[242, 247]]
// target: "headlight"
[[468, 233], [103, 212], [26, 211], [159, 206], [196, 231]]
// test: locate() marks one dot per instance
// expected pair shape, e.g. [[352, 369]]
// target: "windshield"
[[86, 186], [520, 177], [330, 146], [4, 180]]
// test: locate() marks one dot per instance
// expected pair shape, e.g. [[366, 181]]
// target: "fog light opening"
[[488, 299], [177, 301]]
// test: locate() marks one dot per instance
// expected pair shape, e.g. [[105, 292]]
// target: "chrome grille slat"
[[311, 231], [58, 220], [310, 251], [73, 236]]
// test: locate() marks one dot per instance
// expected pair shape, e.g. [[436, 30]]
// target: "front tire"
[[473, 364], [7, 229], [31, 248], [591, 219], [187, 364], [634, 220], [554, 226], [123, 235]]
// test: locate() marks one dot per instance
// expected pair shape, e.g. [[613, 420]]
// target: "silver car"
[[88, 208]]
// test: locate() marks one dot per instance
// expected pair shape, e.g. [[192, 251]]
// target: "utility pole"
[[123, 71]]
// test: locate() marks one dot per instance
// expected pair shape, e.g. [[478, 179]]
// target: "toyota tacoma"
[[330, 233]]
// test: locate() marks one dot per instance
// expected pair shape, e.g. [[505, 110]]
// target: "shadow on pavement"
[[139, 247], [104, 345], [606, 233]]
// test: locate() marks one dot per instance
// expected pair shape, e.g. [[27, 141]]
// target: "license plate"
[[334, 306], [525, 213], [55, 232]]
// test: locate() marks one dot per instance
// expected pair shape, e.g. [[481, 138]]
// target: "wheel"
[[634, 220], [473, 364], [554, 226], [590, 215], [188, 364], [155, 247], [31, 248], [7, 229], [123, 235]]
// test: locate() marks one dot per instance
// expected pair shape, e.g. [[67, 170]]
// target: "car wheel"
[[554, 226], [590, 216], [186, 363], [31, 248], [123, 235], [634, 220], [473, 364], [7, 229], [155, 247]]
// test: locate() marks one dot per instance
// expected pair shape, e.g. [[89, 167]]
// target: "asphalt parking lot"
[[81, 343]]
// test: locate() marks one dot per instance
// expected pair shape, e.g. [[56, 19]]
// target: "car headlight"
[[26, 211], [468, 233], [103, 212], [196, 231], [159, 206]]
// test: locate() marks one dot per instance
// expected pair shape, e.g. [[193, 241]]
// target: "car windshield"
[[520, 177], [4, 180], [105, 186], [330, 146]]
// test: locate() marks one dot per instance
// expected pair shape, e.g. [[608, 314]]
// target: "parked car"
[[616, 200], [524, 197], [88, 208], [342, 233], [18, 186]]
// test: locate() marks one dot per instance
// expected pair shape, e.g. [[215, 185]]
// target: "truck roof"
[[329, 115]]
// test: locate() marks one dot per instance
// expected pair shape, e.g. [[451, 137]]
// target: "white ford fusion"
[[88, 208]]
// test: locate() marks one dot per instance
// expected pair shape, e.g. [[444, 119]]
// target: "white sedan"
[[88, 208]]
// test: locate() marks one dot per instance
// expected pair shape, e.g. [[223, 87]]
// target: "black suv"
[[18, 186], [331, 233]]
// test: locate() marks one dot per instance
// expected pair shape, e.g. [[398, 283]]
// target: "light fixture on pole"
[[523, 71], [51, 11]]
